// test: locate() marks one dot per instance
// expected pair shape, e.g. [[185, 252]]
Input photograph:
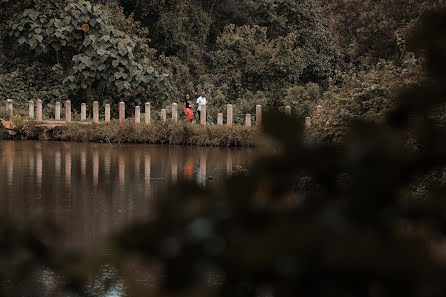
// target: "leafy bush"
[[101, 55]]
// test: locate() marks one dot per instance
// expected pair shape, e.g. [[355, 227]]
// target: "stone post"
[[174, 112], [83, 111], [163, 115], [121, 112], [307, 122], [219, 119], [258, 115], [288, 110], [319, 109], [107, 113], [31, 109], [248, 120], [203, 114], [147, 113], [9, 107], [68, 111], [229, 114], [39, 110], [96, 112], [57, 111], [137, 114]]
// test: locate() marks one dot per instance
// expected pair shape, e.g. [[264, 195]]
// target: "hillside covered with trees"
[[349, 56]]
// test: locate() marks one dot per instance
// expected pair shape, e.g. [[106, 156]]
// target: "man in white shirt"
[[200, 100]]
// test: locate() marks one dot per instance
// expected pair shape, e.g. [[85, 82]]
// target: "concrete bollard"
[[174, 112], [258, 115], [219, 119], [121, 112], [229, 114], [137, 114], [319, 109], [96, 112], [39, 110], [31, 109], [107, 113], [163, 115], [248, 120], [147, 113], [57, 111], [203, 114], [68, 111], [83, 111], [307, 122], [288, 110], [9, 106]]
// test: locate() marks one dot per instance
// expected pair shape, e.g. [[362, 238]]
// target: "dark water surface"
[[90, 190]]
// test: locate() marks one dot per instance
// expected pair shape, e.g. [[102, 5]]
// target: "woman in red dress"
[[188, 109]]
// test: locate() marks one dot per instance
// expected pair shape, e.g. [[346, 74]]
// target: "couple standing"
[[188, 107]]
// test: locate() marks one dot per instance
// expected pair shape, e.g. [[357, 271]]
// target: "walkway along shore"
[[216, 135]]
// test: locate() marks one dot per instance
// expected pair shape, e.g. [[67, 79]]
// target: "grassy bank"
[[128, 132]]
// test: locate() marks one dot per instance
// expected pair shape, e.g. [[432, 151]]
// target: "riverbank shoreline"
[[169, 132]]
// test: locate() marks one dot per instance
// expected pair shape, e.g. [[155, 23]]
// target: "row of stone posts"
[[203, 120]]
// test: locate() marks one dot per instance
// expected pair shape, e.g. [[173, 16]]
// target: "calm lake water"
[[90, 190]]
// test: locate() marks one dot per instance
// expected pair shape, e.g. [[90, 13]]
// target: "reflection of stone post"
[[147, 113], [229, 114], [39, 169], [163, 115], [83, 111], [319, 109], [31, 109], [175, 112], [228, 164], [83, 163], [203, 168], [147, 174], [9, 107], [307, 122], [107, 163], [68, 111], [121, 112], [219, 119], [137, 114], [203, 114], [248, 120], [121, 171], [39, 110], [107, 112], [57, 112], [95, 168], [68, 168], [174, 171], [258, 115], [96, 112], [288, 110]]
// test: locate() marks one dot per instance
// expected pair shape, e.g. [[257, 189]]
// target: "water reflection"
[[146, 175], [93, 189]]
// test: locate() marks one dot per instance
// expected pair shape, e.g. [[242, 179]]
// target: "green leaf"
[[115, 63], [117, 75], [67, 20], [93, 22], [49, 30], [33, 14], [76, 13], [22, 40], [39, 38]]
